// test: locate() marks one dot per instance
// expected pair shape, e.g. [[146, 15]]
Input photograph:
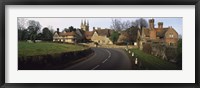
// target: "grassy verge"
[[152, 62], [43, 48]]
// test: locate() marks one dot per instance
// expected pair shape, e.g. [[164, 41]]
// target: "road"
[[104, 59]]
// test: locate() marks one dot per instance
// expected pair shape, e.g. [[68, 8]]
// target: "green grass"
[[43, 48], [153, 62]]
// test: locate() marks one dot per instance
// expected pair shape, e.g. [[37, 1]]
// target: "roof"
[[159, 32], [67, 34], [88, 34], [162, 32], [123, 33], [80, 32], [103, 32]]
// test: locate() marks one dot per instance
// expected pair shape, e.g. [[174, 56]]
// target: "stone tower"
[[85, 25]]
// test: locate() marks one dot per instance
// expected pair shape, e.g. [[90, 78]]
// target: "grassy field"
[[42, 48], [152, 62]]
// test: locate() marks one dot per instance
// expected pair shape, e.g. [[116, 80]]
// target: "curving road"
[[104, 59]]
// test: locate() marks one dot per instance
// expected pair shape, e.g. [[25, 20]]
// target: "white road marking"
[[109, 54], [104, 60], [95, 67], [107, 57]]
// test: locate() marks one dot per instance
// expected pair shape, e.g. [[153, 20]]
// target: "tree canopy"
[[47, 34], [114, 36]]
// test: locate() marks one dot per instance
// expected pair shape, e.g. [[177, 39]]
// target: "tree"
[[25, 34], [119, 25], [33, 29], [47, 35], [126, 24], [132, 34], [51, 29], [71, 28], [116, 24], [114, 36], [140, 23], [21, 22], [39, 36]]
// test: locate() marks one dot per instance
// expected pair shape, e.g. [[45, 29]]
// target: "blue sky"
[[62, 23]]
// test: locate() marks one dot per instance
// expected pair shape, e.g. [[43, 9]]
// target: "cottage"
[[101, 36], [66, 37], [88, 35]]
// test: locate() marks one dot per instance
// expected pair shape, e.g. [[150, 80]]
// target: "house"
[[165, 36], [83, 34], [88, 35], [123, 37], [101, 36], [65, 37]]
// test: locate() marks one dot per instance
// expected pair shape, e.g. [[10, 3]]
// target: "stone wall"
[[168, 53]]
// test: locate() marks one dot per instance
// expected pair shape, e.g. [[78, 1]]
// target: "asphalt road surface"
[[104, 59]]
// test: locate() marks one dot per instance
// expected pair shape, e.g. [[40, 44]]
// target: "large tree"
[[132, 34], [116, 24], [33, 29], [21, 23], [140, 23], [51, 29], [71, 28], [126, 24], [119, 25], [47, 35]]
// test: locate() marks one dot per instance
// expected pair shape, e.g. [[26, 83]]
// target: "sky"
[[62, 23]]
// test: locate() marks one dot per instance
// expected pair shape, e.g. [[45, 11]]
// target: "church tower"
[[85, 25]]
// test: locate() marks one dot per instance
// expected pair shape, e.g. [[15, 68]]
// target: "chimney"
[[58, 30], [93, 28], [160, 25], [151, 23]]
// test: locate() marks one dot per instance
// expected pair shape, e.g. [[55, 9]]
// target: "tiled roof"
[[103, 32], [67, 34], [88, 34], [159, 32]]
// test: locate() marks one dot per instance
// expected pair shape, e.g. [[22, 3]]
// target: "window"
[[171, 35], [171, 43]]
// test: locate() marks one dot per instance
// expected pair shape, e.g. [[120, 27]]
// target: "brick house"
[[164, 36]]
